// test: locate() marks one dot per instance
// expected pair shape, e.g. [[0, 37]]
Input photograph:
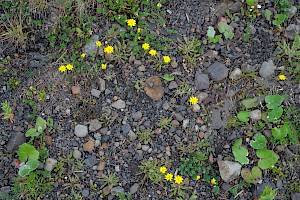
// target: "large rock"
[[15, 140], [91, 48], [229, 170], [267, 69], [81, 130], [201, 81], [218, 71], [154, 88]]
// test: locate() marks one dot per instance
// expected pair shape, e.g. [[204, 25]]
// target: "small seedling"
[[240, 153], [7, 112], [252, 176]]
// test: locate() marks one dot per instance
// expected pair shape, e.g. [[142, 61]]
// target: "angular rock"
[[89, 146], [218, 71], [201, 81], [101, 83], [236, 7], [81, 130], [217, 121], [120, 104], [91, 48], [201, 96], [267, 69], [154, 88], [132, 136], [15, 140], [94, 125], [76, 153], [255, 114], [291, 31], [235, 74], [229, 170], [96, 93], [50, 164]]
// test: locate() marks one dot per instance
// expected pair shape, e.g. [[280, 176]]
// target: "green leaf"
[[27, 152], [259, 141], [240, 153], [273, 101], [268, 158], [28, 167], [40, 124], [33, 164], [282, 132], [250, 2], [243, 116], [168, 77], [226, 30], [211, 32], [249, 103], [31, 133], [253, 176], [268, 14], [280, 18], [215, 39], [274, 114]]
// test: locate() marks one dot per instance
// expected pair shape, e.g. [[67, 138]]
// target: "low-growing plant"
[[211, 34], [110, 179], [145, 135], [165, 123], [226, 30], [191, 50], [150, 169], [7, 112], [291, 52], [268, 194]]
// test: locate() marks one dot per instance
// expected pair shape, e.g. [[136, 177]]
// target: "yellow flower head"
[[167, 59], [69, 67], [131, 22], [193, 100], [152, 52], [145, 46], [178, 179], [139, 30], [98, 44], [213, 181], [109, 49], [83, 55], [169, 177], [282, 77], [103, 66], [158, 5], [198, 178], [163, 169], [62, 68]]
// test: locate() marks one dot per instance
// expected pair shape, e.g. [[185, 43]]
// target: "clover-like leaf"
[[275, 114], [253, 176], [32, 133], [240, 153], [27, 152], [273, 101], [282, 132], [168, 77], [40, 124], [259, 141], [268, 158], [250, 103], [243, 116]]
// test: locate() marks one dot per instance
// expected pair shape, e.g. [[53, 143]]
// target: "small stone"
[[137, 115], [117, 190], [174, 123], [236, 7], [106, 190], [48, 140], [134, 188], [154, 88], [96, 93], [142, 68], [120, 104], [229, 170], [145, 147], [173, 85], [101, 166], [267, 69], [132, 136], [196, 108], [91, 47], [15, 140], [292, 10], [117, 168], [174, 63], [201, 135], [91, 161], [166, 105], [81, 130], [75, 90], [201, 80], [125, 128], [101, 83], [296, 196], [137, 63], [178, 116], [235, 74], [201, 96], [291, 31], [76, 153], [85, 192], [218, 71], [211, 159], [185, 123], [94, 125], [217, 121], [50, 164], [89, 146], [255, 114]]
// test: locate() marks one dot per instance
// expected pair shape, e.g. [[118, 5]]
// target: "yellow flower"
[[213, 181], [69, 67], [167, 59], [163, 169], [139, 38], [193, 100], [198, 178], [103, 66], [282, 77], [169, 177], [152, 52], [159, 5], [178, 179], [62, 68], [131, 22], [139, 30], [98, 44], [145, 46], [109, 49], [83, 55]]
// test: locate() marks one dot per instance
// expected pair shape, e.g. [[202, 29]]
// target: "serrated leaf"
[[259, 141], [31, 133], [240, 153], [249, 103], [268, 158], [168, 77], [211, 32], [273, 101], [275, 114], [243, 116], [40, 124], [253, 176], [27, 152]]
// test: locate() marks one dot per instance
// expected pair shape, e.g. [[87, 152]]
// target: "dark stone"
[[218, 71], [201, 80], [91, 161], [15, 140]]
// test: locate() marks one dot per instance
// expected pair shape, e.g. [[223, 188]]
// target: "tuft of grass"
[[145, 135], [191, 50]]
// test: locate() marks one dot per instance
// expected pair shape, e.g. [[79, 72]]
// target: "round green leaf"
[[275, 114], [243, 116], [31, 133], [259, 141], [27, 151], [40, 124], [253, 176], [273, 101], [240, 153], [268, 158], [24, 170]]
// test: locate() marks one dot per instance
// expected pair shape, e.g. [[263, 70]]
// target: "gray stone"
[[236, 7], [134, 188], [50, 164], [229, 170], [125, 128], [91, 47], [235, 74], [137, 115], [94, 125], [132, 136], [81, 130], [267, 69], [292, 11], [296, 196], [15, 140], [291, 31], [255, 114], [260, 187], [196, 108], [137, 63], [166, 105], [120, 104], [145, 147], [201, 80], [173, 85], [178, 116], [76, 153], [96, 93], [117, 190], [201, 96], [91, 161], [101, 83], [218, 71], [249, 68], [216, 119], [142, 68], [185, 123], [85, 192]]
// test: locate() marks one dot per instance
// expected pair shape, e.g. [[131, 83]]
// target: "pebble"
[[94, 125], [134, 188], [196, 108], [101, 83], [154, 88], [178, 116], [201, 135], [81, 130], [185, 123], [95, 93], [91, 161], [132, 136], [50, 164], [166, 105], [255, 114], [15, 140], [291, 31], [201, 80], [137, 115], [117, 190], [201, 96], [218, 71], [267, 69], [142, 68], [76, 153], [101, 165], [75, 90], [125, 128], [145, 147], [120, 104], [173, 85], [229, 170], [91, 47], [174, 63], [235, 74], [85, 192], [89, 146], [174, 123]]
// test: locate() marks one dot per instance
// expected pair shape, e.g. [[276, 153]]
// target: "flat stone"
[[125, 128], [229, 170], [154, 88], [137, 63], [218, 71], [132, 136], [89, 146], [81, 130], [75, 90], [15, 140], [50, 164], [201, 96], [85, 192], [119, 104], [173, 85], [95, 93], [235, 74], [267, 69], [94, 125], [134, 188], [91, 47], [296, 196], [137, 115], [217, 121], [101, 165], [201, 81], [101, 83], [196, 108], [255, 114], [117, 190], [185, 123], [76, 153], [91, 161], [291, 31]]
